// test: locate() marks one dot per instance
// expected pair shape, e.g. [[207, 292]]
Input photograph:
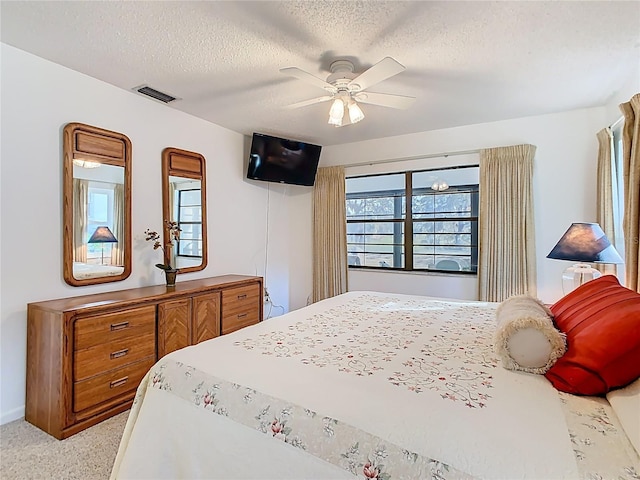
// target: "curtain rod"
[[614, 124], [416, 157]]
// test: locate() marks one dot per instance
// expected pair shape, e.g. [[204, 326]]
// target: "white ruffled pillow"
[[526, 339]]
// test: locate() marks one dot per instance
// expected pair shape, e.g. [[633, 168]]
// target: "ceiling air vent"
[[155, 94]]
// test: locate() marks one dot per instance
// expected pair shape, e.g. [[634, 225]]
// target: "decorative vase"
[[170, 276]]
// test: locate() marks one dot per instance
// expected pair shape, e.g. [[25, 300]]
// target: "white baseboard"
[[11, 415]]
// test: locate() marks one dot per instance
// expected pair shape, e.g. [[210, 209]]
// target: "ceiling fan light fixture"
[[336, 112], [347, 89], [355, 112], [85, 163]]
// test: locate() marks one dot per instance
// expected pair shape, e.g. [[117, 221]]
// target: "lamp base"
[[576, 275]]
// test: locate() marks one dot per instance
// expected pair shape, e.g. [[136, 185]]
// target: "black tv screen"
[[274, 159]]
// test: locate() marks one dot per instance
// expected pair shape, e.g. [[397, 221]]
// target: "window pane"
[[422, 239], [423, 261], [190, 248], [451, 176], [384, 260], [376, 244], [378, 197], [379, 208], [423, 206], [355, 228], [444, 244], [190, 214], [190, 197], [355, 208], [375, 183], [98, 207], [191, 231], [448, 250], [423, 249], [423, 227]]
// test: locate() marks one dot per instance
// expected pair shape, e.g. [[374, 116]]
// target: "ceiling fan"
[[347, 89]]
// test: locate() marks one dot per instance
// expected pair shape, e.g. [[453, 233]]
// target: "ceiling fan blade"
[[309, 102], [385, 99], [385, 68], [307, 77]]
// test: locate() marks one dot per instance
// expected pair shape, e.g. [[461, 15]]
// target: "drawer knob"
[[242, 297], [119, 326], [119, 353], [242, 315], [118, 383]]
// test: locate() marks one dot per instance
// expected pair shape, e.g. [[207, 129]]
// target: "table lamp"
[[585, 243], [102, 235]]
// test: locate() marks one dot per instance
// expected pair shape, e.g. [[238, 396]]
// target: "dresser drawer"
[[101, 388], [108, 356], [240, 298], [240, 307], [240, 320], [111, 327]]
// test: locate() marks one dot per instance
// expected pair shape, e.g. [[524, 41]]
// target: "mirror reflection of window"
[[186, 210], [190, 222]]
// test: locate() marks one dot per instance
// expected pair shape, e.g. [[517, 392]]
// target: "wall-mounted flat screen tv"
[[274, 159]]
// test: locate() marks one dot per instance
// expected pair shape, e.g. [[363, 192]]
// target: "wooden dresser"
[[87, 355]]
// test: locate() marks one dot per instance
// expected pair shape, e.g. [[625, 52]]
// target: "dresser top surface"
[[150, 293]]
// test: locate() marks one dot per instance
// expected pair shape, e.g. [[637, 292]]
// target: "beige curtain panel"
[[631, 174], [329, 234], [117, 249], [80, 202], [507, 255], [605, 192]]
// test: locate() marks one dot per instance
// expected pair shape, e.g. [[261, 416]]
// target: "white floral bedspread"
[[366, 384], [368, 336]]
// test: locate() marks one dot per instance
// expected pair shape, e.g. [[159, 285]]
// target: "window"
[[190, 222], [437, 230], [618, 191]]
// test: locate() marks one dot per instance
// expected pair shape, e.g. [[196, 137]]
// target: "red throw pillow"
[[601, 319]]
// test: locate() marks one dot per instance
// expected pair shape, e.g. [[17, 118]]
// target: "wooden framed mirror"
[[96, 205], [184, 201]]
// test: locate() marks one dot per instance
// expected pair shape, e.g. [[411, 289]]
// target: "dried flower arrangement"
[[174, 235]]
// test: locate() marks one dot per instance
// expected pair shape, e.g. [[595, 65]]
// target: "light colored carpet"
[[26, 452]]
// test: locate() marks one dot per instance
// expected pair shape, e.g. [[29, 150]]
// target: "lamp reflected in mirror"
[[102, 235], [585, 243]]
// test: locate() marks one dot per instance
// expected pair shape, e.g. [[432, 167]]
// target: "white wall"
[[629, 89], [38, 99], [564, 187]]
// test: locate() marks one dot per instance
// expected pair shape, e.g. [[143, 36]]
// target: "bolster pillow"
[[526, 339]]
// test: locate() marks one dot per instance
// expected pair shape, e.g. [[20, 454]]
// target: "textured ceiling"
[[467, 62]]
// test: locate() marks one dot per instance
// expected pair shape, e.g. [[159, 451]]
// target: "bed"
[[366, 385], [83, 271]]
